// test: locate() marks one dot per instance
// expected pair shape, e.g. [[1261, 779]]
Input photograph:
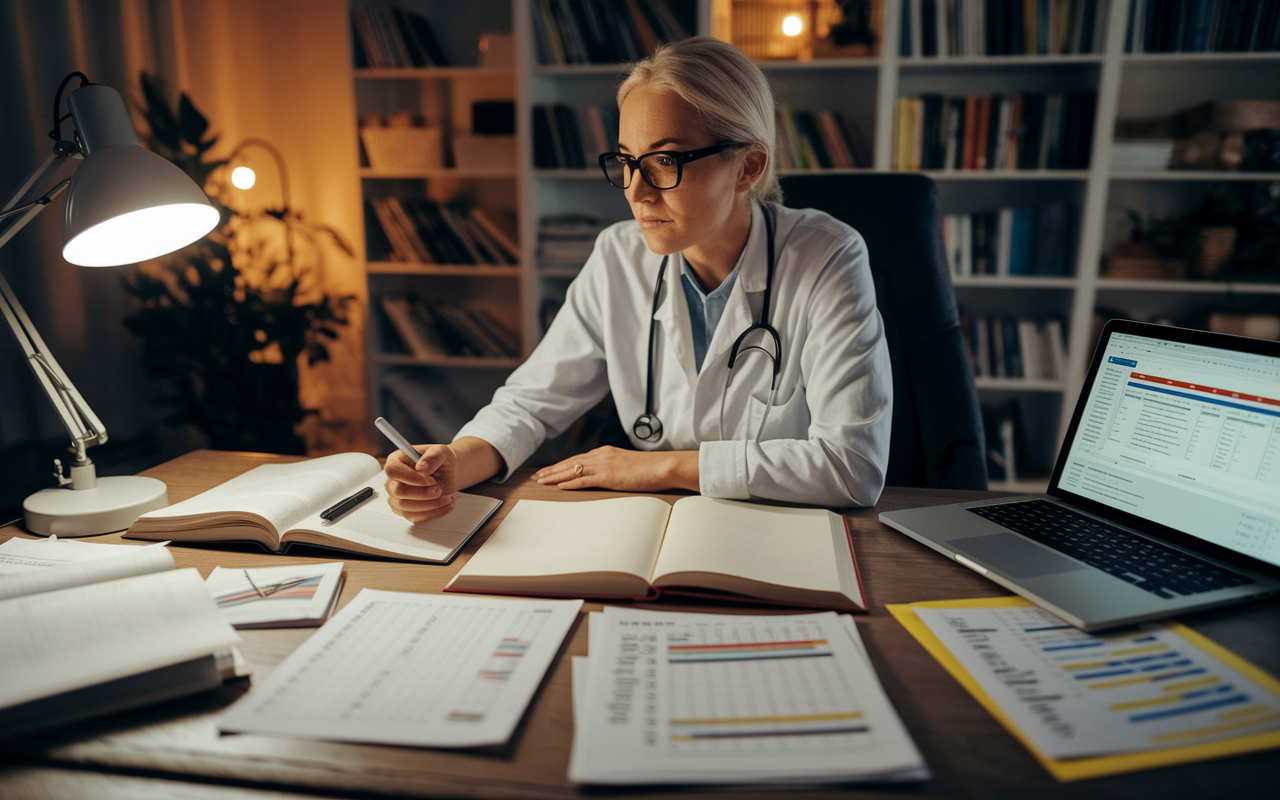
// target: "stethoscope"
[[648, 427]]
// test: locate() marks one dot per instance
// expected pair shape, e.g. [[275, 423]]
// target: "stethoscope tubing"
[[648, 422]]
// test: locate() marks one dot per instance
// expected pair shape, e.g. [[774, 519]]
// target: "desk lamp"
[[124, 204]]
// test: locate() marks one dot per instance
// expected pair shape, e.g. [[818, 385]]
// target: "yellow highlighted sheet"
[[1086, 706]]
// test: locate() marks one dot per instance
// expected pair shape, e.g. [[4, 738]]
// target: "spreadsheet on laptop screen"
[[1186, 436]]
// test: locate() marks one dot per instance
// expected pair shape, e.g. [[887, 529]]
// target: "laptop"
[[1166, 493]]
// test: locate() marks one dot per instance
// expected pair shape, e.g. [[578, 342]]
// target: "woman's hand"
[[425, 490], [624, 471]]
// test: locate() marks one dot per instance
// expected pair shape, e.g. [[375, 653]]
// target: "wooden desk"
[[969, 753]]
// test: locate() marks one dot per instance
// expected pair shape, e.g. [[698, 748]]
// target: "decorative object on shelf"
[[401, 145], [1212, 135], [225, 322], [946, 28], [497, 50], [491, 144], [1151, 251], [123, 204], [855, 33], [1206, 26], [1257, 326]]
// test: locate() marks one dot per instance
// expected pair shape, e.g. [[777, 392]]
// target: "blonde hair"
[[726, 88]]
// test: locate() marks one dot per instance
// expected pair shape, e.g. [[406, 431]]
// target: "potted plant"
[[226, 322]]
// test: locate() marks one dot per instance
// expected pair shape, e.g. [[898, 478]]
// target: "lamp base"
[[112, 505]]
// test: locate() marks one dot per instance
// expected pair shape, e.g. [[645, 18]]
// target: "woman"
[[654, 315]]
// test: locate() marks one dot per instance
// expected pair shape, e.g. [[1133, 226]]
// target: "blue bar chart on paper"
[[1077, 694]]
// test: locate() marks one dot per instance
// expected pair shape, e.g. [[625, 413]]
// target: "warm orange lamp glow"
[[792, 25], [243, 178]]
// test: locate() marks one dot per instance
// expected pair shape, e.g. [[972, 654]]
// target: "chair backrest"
[[937, 438]]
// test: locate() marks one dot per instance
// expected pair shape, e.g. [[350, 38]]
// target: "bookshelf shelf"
[[397, 360], [1193, 175], [820, 64], [466, 270], [431, 73], [578, 70], [998, 62], [1188, 287], [1155, 59], [436, 172], [558, 272], [1012, 282], [1007, 174], [1018, 384], [569, 174], [829, 171]]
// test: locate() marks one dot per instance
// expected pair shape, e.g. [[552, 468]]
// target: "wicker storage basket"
[[403, 148]]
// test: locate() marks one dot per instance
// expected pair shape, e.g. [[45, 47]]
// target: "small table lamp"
[[124, 205]]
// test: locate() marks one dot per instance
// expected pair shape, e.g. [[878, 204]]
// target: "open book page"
[[593, 548], [747, 548], [279, 494], [372, 527], [58, 641], [127, 562]]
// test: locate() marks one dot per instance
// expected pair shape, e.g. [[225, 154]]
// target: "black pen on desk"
[[333, 512]]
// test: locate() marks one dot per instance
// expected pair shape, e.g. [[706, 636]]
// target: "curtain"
[[279, 71]]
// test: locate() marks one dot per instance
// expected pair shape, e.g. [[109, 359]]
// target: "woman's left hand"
[[624, 470]]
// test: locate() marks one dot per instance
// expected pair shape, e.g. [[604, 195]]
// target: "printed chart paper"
[[709, 698], [411, 669], [1078, 694]]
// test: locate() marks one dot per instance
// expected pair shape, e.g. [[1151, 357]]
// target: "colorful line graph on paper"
[[298, 588], [1078, 694], [733, 690]]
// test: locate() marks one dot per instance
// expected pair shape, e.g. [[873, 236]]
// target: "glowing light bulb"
[[243, 178], [792, 25]]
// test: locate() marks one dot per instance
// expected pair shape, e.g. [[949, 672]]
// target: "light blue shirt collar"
[[705, 308]]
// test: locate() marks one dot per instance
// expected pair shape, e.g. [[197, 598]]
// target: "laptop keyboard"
[[1146, 564]]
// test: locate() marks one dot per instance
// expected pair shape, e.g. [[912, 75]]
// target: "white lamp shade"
[[126, 204]]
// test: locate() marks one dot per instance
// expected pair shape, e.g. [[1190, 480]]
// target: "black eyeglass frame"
[[633, 163]]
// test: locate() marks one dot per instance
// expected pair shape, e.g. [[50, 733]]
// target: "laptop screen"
[[1186, 436]]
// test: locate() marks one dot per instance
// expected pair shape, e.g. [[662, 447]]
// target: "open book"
[[277, 505], [91, 637], [638, 547]]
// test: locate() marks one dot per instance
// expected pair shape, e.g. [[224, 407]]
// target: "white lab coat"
[[826, 440]]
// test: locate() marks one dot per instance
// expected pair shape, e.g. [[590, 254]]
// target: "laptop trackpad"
[[1014, 555]]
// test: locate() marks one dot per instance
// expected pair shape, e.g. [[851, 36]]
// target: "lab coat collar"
[[673, 315], [752, 278]]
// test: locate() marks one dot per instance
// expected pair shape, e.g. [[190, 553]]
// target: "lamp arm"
[[81, 423]]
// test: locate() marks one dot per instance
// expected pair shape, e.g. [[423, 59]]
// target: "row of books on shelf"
[[1035, 240], [1002, 27], [565, 241], [427, 232], [389, 37], [603, 31], [572, 137], [1007, 347], [819, 140], [432, 328], [1202, 26], [994, 132]]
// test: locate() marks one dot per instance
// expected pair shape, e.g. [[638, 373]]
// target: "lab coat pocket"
[[787, 420]]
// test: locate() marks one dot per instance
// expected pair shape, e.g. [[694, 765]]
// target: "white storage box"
[[403, 148]]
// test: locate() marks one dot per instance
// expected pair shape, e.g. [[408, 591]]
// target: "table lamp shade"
[[125, 204]]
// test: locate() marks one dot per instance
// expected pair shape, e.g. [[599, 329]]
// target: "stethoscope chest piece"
[[647, 428]]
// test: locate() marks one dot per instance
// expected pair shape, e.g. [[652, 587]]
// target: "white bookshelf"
[[1131, 85]]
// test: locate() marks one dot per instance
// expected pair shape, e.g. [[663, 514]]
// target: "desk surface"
[[967, 750]]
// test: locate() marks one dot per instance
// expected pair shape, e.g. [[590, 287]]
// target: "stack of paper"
[[709, 698]]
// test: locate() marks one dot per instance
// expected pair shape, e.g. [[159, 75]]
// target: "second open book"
[[638, 547]]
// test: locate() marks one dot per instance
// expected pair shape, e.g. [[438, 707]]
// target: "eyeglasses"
[[662, 169]]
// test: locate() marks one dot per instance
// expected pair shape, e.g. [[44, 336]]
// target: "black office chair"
[[936, 440]]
